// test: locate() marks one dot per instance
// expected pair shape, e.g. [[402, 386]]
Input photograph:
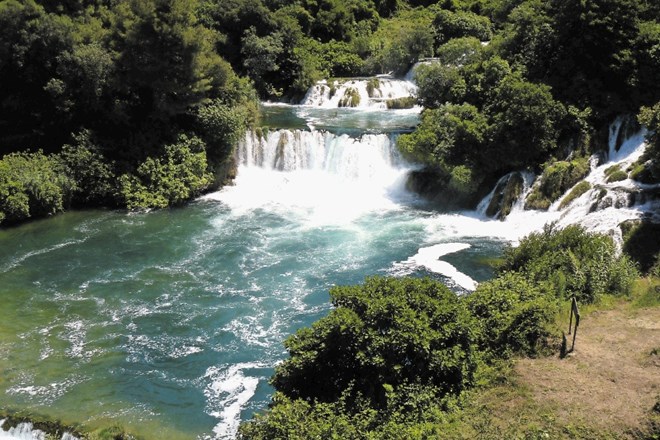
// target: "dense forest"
[[140, 103]]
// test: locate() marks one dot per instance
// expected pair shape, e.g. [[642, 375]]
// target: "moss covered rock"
[[555, 181], [506, 193]]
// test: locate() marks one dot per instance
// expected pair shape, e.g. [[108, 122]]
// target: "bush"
[[169, 180], [448, 25], [460, 51], [512, 315], [555, 181], [32, 185], [615, 174], [401, 103], [351, 98], [439, 84], [571, 261], [91, 175], [383, 335], [576, 192]]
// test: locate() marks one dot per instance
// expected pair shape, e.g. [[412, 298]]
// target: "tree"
[[32, 185], [30, 43], [167, 62], [382, 336], [260, 56], [524, 125], [449, 25], [439, 84]]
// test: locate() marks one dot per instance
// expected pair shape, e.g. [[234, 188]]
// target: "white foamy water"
[[373, 92], [26, 431], [229, 390], [429, 258], [319, 177], [593, 210]]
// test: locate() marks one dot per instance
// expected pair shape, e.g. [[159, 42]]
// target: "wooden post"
[[570, 319], [576, 311]]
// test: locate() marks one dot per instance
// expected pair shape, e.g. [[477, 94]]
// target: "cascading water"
[[605, 205], [371, 93], [174, 328]]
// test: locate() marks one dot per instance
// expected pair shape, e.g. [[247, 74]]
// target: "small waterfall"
[[363, 93], [603, 204], [507, 196], [369, 156], [26, 431]]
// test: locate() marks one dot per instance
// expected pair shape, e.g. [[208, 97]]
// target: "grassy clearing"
[[608, 388]]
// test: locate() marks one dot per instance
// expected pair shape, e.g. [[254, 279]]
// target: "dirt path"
[[612, 379]]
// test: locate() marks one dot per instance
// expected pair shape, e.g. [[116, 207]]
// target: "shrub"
[[555, 181], [615, 174], [458, 24], [351, 98], [401, 103], [32, 185], [512, 315], [91, 175], [571, 261], [169, 180], [384, 334]]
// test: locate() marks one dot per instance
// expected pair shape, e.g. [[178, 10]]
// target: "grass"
[[607, 389]]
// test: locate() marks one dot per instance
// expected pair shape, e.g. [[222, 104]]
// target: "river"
[[171, 322]]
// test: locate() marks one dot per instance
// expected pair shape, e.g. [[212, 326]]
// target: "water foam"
[[429, 259], [227, 393], [316, 177], [373, 92], [26, 431]]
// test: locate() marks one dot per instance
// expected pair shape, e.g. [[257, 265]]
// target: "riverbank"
[[607, 388]]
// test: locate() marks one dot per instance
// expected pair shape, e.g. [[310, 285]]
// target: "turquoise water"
[[160, 321], [171, 322]]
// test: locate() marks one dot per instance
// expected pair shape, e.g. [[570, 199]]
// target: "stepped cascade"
[[175, 328]]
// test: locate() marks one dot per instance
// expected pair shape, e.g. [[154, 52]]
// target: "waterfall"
[[318, 176], [363, 93], [368, 157], [26, 431], [605, 204]]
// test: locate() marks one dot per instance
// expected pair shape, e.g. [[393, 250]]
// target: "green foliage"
[[576, 192], [460, 51], [571, 261], [399, 42], [91, 175], [617, 176], [372, 85], [351, 98], [260, 58], [167, 62], [641, 241], [169, 180], [383, 335], [451, 134], [401, 103], [556, 179], [448, 25], [650, 118], [220, 126], [524, 124], [32, 185], [512, 315], [439, 84]]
